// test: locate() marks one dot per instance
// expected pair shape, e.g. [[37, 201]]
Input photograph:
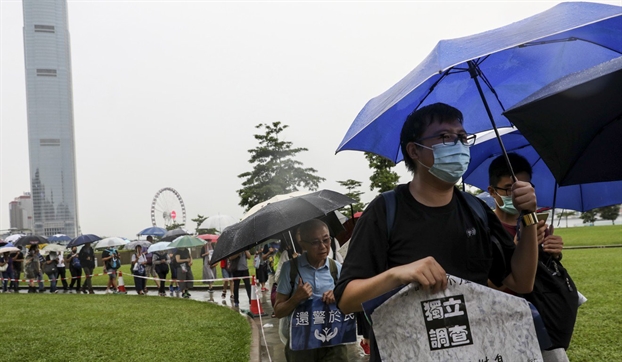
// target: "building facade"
[[50, 117], [21, 216]]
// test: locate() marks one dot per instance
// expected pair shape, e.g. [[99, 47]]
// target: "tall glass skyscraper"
[[50, 117]]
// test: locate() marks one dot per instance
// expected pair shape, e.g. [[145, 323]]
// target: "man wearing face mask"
[[435, 231]]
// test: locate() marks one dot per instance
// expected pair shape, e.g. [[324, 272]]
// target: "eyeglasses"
[[317, 243], [451, 139], [508, 191]]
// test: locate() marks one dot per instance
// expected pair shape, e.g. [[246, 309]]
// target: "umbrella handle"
[[474, 71]]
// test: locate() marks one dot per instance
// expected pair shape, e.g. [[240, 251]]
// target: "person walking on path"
[[18, 260], [87, 260], [227, 284], [149, 267], [138, 270], [75, 269], [161, 261], [32, 268], [209, 271], [51, 270], [239, 267], [184, 271], [62, 273]]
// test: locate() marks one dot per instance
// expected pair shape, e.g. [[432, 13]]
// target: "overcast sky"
[[168, 94]]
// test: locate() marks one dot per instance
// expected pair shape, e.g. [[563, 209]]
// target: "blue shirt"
[[320, 279]]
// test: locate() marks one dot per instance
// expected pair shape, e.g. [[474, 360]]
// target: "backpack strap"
[[477, 207], [390, 202]]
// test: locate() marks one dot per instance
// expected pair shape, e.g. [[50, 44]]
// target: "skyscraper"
[[50, 117]]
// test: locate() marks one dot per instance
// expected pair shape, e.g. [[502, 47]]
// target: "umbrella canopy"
[[186, 241], [508, 63], [8, 249], [31, 240], [272, 200], [159, 246], [53, 247], [218, 222], [208, 237], [12, 238], [575, 197], [174, 234], [144, 244], [59, 238], [110, 242], [275, 218], [153, 231], [83, 239], [575, 124]]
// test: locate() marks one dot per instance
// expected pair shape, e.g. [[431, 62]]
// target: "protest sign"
[[315, 324], [465, 322]]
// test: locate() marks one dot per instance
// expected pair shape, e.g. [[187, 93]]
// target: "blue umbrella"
[[581, 197], [58, 238], [83, 239], [507, 63], [154, 231]]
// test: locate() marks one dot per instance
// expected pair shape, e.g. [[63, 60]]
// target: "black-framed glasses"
[[316, 243], [451, 139], [507, 191]]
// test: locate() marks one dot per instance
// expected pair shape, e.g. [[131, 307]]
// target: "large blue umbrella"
[[154, 231], [83, 239], [507, 63], [58, 238], [581, 197]]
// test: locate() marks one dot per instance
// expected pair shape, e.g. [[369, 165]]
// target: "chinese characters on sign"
[[447, 322]]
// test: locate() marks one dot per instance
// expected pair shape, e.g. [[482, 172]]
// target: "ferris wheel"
[[167, 207]]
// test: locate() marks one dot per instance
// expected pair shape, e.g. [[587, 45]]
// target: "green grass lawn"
[[591, 235], [597, 272], [70, 327]]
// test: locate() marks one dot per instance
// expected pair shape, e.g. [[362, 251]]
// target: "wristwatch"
[[530, 219]]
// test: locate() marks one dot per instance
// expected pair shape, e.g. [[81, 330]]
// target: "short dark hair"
[[418, 121], [499, 167], [149, 238], [310, 226]]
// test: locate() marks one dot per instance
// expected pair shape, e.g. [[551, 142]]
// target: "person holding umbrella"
[[87, 261], [18, 259], [6, 265], [184, 271], [75, 269], [138, 269], [239, 268], [32, 267], [436, 230]]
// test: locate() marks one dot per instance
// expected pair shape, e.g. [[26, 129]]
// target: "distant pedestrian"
[[18, 260], [161, 263], [62, 274], [111, 260], [209, 271], [6, 265], [225, 269], [184, 271], [87, 260], [138, 269], [149, 267], [174, 286], [32, 268], [75, 269], [51, 270], [239, 267]]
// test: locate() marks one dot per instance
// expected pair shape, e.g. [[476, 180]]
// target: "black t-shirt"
[[452, 234], [17, 265], [105, 254], [183, 254]]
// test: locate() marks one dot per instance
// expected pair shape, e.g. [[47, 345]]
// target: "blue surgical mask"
[[450, 161], [508, 205]]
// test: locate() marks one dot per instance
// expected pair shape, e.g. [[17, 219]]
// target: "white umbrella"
[[53, 247], [159, 246], [9, 249], [144, 244], [110, 242], [13, 238]]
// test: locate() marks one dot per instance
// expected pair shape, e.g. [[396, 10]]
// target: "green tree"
[[199, 220], [383, 178], [609, 213], [174, 226], [275, 170], [589, 216], [566, 214], [352, 186], [212, 231]]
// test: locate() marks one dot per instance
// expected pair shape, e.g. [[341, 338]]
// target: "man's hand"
[[524, 196], [552, 244], [328, 297], [427, 272], [304, 291]]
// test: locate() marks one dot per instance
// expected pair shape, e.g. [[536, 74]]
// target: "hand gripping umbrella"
[[485, 73], [275, 218], [575, 124]]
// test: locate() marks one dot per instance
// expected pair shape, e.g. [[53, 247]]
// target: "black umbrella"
[[31, 240], [174, 234], [276, 218], [83, 239], [575, 124]]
